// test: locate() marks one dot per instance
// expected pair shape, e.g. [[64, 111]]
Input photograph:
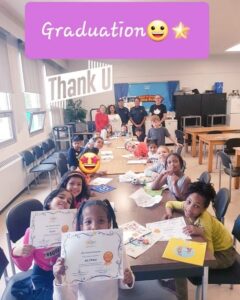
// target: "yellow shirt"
[[217, 236]]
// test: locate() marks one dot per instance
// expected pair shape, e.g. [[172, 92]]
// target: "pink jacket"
[[44, 258]]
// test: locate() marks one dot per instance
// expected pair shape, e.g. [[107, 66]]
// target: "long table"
[[119, 165], [194, 132], [150, 265], [211, 140]]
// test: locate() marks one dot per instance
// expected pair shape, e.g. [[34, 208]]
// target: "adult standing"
[[123, 112], [101, 118], [138, 115], [114, 118], [159, 109]]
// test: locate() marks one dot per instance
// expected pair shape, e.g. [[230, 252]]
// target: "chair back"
[[62, 166], [62, 156], [37, 152], [3, 262], [229, 144], [236, 228], [180, 136], [28, 157], [51, 144], [225, 159], [220, 203], [45, 147], [205, 177], [18, 218], [91, 126]]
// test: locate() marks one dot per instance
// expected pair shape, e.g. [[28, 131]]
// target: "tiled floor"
[[193, 170]]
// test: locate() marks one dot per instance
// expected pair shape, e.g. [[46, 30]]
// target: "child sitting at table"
[[139, 150], [76, 183], [93, 215], [140, 134], [74, 152], [94, 145], [124, 130], [202, 223], [40, 283], [152, 151], [159, 166], [107, 132], [173, 176]]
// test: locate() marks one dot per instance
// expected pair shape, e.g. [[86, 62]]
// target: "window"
[[6, 120], [7, 134], [35, 117], [31, 79], [32, 101], [36, 121]]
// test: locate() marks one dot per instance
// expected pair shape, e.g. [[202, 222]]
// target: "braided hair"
[[107, 207]]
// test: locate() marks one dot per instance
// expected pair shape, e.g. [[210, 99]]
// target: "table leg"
[[210, 157], [236, 179], [186, 141], [204, 283], [200, 153], [194, 142]]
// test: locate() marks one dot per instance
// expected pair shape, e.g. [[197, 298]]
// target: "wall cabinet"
[[199, 105]]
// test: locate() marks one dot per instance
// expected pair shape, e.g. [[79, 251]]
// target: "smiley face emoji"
[[157, 30], [89, 163]]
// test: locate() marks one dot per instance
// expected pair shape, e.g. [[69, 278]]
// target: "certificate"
[[92, 255], [47, 226], [167, 229]]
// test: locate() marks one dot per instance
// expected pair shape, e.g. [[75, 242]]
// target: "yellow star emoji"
[[181, 31]]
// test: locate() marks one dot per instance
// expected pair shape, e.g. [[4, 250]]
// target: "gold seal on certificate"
[[92, 255]]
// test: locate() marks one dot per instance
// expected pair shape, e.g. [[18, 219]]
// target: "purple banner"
[[117, 30]]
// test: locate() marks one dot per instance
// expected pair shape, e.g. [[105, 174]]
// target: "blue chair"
[[220, 203], [205, 177], [62, 164], [3, 263], [52, 149], [18, 220], [39, 154], [32, 166], [229, 169], [9, 281]]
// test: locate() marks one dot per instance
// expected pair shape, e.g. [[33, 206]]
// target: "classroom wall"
[[200, 74], [23, 140]]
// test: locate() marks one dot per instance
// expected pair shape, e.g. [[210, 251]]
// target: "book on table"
[[189, 252]]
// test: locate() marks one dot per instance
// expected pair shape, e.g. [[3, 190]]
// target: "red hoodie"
[[101, 121]]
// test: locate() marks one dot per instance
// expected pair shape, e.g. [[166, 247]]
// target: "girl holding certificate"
[[40, 284], [92, 215]]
